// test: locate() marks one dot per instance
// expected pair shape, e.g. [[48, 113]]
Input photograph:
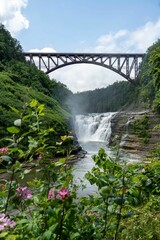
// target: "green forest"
[[21, 82], [38, 195]]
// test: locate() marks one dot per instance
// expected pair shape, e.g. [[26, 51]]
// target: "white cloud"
[[144, 36], [46, 50], [82, 77], [111, 42], [11, 16], [129, 41]]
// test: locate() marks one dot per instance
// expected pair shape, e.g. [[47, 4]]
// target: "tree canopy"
[[20, 82]]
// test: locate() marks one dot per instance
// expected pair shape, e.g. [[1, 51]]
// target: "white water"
[[93, 132], [94, 127]]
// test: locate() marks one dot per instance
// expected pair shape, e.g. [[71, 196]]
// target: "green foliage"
[[9, 47], [145, 223], [20, 83], [27, 74], [141, 127], [61, 93], [155, 61], [109, 99], [46, 207], [15, 95], [156, 102]]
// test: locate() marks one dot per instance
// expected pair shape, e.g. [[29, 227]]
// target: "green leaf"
[[75, 235], [3, 234], [33, 103], [13, 129], [32, 143], [6, 158], [50, 231], [2, 171], [60, 162], [12, 237], [27, 116], [41, 108], [23, 221], [47, 234], [14, 109], [26, 171]]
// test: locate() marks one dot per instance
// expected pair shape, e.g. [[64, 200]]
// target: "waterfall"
[[126, 135], [94, 127]]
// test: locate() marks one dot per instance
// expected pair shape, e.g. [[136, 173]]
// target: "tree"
[[155, 62], [10, 49]]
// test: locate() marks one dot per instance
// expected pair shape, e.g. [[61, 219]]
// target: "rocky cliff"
[[126, 135]]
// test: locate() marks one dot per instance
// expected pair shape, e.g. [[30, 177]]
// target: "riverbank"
[[125, 135]]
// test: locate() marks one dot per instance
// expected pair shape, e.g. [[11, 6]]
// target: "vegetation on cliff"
[[109, 99], [20, 82]]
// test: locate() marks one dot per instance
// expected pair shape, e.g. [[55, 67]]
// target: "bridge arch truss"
[[127, 65]]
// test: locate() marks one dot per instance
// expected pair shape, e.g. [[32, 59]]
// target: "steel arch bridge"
[[125, 64]]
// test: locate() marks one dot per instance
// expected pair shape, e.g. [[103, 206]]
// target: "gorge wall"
[[125, 135]]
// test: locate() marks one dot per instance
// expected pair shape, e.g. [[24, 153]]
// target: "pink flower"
[[63, 193], [51, 194], [24, 192], [4, 151], [6, 222]]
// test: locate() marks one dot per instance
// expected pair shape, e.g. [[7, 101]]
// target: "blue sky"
[[83, 26]]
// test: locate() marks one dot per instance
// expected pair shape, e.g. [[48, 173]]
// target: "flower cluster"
[[4, 151], [61, 194], [24, 192], [6, 222]]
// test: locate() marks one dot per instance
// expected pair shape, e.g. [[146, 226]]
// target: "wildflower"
[[6, 222], [24, 193], [4, 151], [51, 194], [63, 193], [39, 157]]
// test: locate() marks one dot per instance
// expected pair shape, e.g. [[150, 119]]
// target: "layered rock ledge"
[[124, 135]]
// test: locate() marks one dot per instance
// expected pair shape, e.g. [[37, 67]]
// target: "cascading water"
[[93, 132], [94, 127]]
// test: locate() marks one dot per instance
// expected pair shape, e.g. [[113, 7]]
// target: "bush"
[[48, 207]]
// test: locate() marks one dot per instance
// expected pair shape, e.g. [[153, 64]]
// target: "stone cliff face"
[[124, 134]]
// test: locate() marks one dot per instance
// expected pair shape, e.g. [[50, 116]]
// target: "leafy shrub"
[[141, 127], [48, 207]]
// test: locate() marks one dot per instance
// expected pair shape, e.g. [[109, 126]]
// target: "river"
[[93, 132]]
